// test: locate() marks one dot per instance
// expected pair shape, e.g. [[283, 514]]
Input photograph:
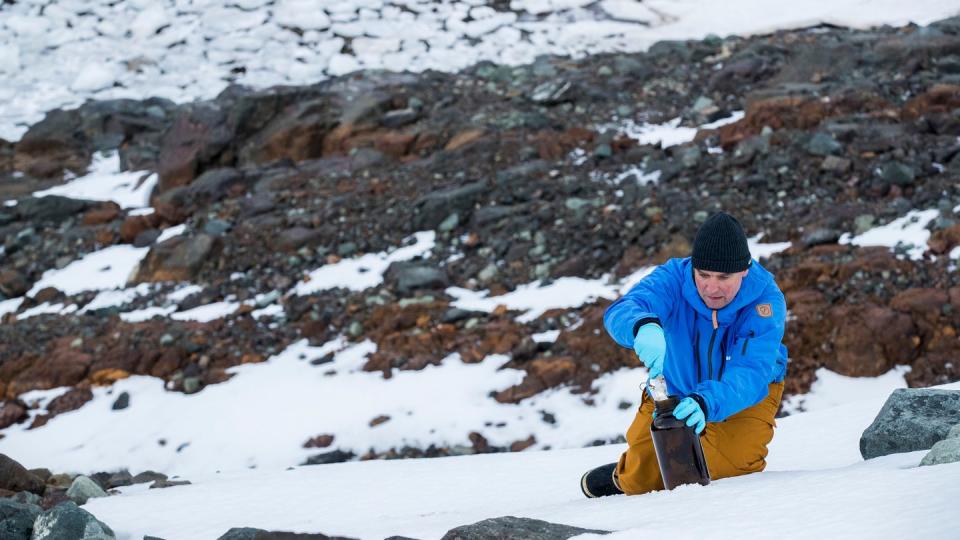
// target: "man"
[[712, 325]]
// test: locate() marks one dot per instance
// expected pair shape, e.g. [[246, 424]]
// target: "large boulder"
[[67, 521], [912, 419], [514, 528], [16, 519], [14, 477], [176, 259], [249, 533]]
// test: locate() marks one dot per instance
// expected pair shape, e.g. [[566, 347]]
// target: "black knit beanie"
[[720, 245]]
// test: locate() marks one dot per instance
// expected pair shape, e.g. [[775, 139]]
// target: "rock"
[[945, 451], [433, 208], [146, 238], [817, 237], [148, 476], [320, 441], [110, 480], [248, 533], [336, 456], [911, 419], [199, 132], [13, 283], [295, 238], [176, 259], [896, 173], [408, 277], [822, 144], [83, 489], [67, 521], [16, 519], [163, 483], [553, 92], [835, 164], [514, 528], [15, 477], [49, 208], [12, 412], [863, 223], [122, 402]]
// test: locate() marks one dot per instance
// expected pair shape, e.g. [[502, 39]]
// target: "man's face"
[[718, 289]]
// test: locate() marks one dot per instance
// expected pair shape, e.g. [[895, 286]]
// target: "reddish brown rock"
[[72, 400], [12, 411], [320, 441], [177, 259], [13, 283], [943, 240], [379, 420], [869, 340], [519, 446], [104, 213]]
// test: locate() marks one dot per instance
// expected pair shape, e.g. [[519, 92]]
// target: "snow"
[[207, 313], [534, 300], [186, 50], [10, 306], [815, 485], [108, 268], [909, 231], [105, 182], [832, 389], [365, 271], [762, 251], [171, 232]]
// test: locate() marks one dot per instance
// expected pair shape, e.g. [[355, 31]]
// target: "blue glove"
[[651, 347], [689, 408]]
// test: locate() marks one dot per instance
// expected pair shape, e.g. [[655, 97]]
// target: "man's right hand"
[[651, 347]]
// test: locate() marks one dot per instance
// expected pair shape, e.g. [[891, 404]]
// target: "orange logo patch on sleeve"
[[765, 310]]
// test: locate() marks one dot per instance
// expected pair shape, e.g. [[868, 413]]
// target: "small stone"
[[355, 329], [122, 401], [488, 273], [822, 144], [346, 249], [863, 223], [835, 164], [216, 227], [603, 151], [450, 223], [896, 173], [166, 339], [192, 385], [700, 216], [605, 71], [83, 489]]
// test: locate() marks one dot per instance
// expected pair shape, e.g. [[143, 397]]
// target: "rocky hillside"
[[526, 175]]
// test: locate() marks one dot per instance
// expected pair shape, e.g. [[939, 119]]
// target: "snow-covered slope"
[[816, 486], [60, 53]]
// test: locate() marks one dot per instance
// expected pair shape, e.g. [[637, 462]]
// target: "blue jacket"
[[724, 358]]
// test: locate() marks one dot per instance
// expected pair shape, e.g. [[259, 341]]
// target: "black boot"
[[600, 482]]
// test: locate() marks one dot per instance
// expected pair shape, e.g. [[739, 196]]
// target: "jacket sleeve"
[[747, 376], [651, 300]]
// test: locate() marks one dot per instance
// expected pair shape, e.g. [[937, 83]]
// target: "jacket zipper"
[[696, 355], [713, 336], [745, 341], [723, 356]]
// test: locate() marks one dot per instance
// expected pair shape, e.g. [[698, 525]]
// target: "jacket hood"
[[753, 285]]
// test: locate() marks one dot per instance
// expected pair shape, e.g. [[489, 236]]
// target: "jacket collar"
[[752, 287]]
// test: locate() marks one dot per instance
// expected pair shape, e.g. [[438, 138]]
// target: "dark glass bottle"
[[678, 448]]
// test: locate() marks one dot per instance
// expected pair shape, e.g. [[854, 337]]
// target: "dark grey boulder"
[[514, 528], [15, 477], [49, 207], [248, 533], [407, 277], [912, 419], [432, 209], [16, 519], [67, 521]]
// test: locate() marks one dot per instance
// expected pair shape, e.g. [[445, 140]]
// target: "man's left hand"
[[688, 408]]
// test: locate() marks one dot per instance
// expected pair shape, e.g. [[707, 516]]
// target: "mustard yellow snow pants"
[[736, 446]]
